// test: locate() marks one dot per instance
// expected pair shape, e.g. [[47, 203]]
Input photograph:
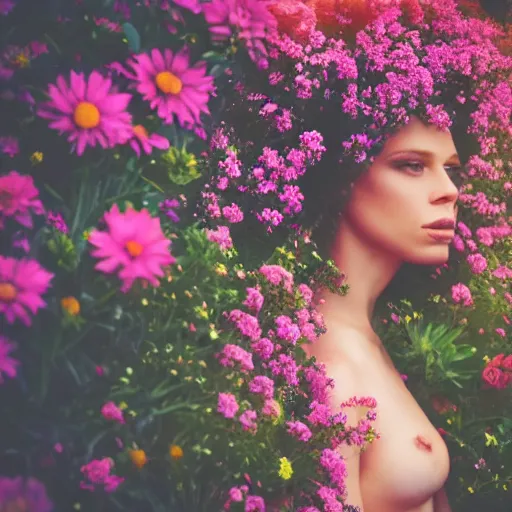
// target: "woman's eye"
[[414, 167]]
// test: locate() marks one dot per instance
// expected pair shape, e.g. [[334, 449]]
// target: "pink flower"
[[141, 138], [248, 421], [20, 494], [271, 408], [477, 262], [232, 354], [221, 236], [254, 299], [133, 241], [6, 6], [262, 385], [250, 18], [22, 282], [18, 196], [227, 405], [9, 146], [8, 365], [97, 473], [89, 111], [495, 378], [110, 411], [254, 504], [299, 430], [172, 87], [461, 293]]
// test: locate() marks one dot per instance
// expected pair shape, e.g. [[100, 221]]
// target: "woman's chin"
[[436, 255]]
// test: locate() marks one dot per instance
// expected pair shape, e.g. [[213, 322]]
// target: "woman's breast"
[[403, 469]]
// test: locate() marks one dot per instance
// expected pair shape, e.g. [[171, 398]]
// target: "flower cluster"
[[498, 372]]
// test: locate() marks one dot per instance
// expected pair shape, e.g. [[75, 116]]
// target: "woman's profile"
[[403, 209]]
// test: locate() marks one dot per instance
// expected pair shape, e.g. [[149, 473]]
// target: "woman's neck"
[[368, 270]]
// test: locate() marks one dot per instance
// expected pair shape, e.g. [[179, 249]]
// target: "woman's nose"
[[444, 190]]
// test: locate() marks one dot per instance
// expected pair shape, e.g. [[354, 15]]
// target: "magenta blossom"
[[462, 294], [227, 405], [141, 139], [19, 199], [9, 146], [18, 494], [97, 474], [89, 110], [6, 6], [8, 365], [110, 411], [133, 241], [171, 85], [22, 282]]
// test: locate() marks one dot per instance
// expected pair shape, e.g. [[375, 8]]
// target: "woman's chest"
[[410, 461]]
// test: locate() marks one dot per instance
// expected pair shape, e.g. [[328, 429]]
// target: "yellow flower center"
[[168, 83], [175, 451], [140, 131], [86, 115], [7, 292], [71, 305], [134, 248]]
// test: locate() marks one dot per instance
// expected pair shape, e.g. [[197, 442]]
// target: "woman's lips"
[[441, 235]]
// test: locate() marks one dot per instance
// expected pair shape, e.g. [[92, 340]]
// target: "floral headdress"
[[413, 57]]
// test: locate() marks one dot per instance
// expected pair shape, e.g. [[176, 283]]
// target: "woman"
[[401, 210], [388, 104]]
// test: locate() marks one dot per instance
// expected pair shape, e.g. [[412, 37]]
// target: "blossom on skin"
[[141, 138], [133, 241], [22, 282], [171, 85], [19, 199], [88, 110], [110, 411], [8, 365], [97, 473], [9, 146], [24, 495]]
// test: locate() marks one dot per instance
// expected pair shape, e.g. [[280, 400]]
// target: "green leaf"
[[133, 36]]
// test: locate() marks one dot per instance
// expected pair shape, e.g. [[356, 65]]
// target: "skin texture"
[[409, 185]]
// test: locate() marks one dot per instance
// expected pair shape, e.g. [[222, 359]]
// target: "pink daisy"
[[22, 282], [141, 138], [18, 196], [8, 365], [173, 87], [89, 110], [133, 241]]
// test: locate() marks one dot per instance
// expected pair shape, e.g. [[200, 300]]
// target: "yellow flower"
[[71, 305], [471, 490], [175, 452], [221, 269], [138, 457], [36, 158], [285, 468], [490, 440]]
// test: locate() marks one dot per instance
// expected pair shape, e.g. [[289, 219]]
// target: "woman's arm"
[[441, 502]]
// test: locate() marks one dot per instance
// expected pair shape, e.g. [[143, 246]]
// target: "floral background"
[[148, 359]]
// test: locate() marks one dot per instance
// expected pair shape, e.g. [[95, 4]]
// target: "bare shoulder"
[[345, 352]]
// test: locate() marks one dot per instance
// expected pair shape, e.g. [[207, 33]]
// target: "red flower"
[[507, 363], [495, 378]]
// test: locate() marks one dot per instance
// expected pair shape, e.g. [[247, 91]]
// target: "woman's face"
[[407, 188]]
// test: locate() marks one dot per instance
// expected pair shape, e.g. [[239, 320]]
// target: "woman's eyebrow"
[[426, 154]]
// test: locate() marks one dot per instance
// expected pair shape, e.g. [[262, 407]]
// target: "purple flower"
[[97, 473], [9, 145], [168, 206], [8, 365], [6, 6], [23, 495], [462, 294]]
